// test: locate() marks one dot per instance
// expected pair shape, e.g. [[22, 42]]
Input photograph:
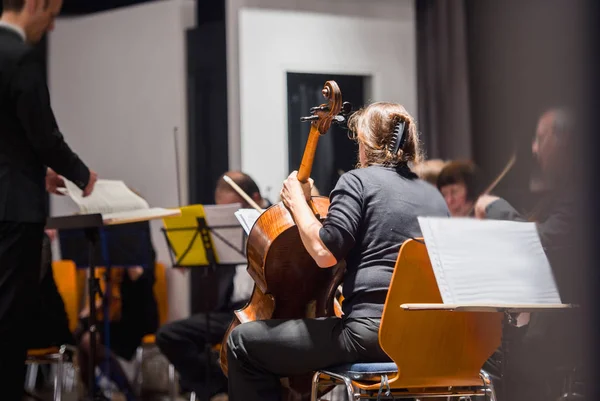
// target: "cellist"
[[373, 210]]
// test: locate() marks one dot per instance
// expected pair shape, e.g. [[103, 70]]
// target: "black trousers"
[[20, 263], [183, 343], [50, 310], [261, 352]]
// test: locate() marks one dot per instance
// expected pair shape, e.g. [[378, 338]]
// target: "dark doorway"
[[336, 153]]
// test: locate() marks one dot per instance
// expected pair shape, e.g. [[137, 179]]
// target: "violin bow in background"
[[494, 184]]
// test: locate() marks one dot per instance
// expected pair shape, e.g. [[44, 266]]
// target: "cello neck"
[[309, 154]]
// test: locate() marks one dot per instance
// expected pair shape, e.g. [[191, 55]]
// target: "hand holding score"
[[294, 192], [91, 182]]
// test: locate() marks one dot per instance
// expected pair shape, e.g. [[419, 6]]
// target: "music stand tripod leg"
[[93, 237], [204, 231]]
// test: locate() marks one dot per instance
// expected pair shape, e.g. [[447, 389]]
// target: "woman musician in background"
[[373, 211]]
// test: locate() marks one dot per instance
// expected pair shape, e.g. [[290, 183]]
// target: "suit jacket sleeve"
[[33, 109]]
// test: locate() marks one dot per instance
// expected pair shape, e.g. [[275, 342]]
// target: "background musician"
[[183, 342], [373, 211], [460, 184], [429, 170], [33, 153], [551, 339]]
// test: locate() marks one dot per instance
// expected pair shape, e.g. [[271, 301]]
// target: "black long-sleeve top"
[[373, 211]]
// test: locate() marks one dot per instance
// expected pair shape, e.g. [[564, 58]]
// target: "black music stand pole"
[[212, 265], [509, 320], [93, 237], [91, 224]]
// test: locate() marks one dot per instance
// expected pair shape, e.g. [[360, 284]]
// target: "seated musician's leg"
[[184, 344], [261, 352]]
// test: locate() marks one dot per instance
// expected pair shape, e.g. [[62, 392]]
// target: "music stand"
[[194, 243], [489, 266], [92, 224]]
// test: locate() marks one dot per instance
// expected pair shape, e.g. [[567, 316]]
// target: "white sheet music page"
[[247, 218], [479, 262], [226, 233], [109, 196]]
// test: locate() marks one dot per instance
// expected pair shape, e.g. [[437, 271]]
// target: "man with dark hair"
[[33, 157], [183, 341], [551, 342]]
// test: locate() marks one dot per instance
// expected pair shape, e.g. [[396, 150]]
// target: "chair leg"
[[349, 386], [31, 377], [139, 358], [350, 389], [172, 384], [315, 386], [69, 377], [489, 384], [58, 379]]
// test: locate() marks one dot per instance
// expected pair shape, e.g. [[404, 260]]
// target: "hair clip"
[[398, 137]]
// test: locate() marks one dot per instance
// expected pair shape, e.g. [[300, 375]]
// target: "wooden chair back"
[[65, 277], [432, 348], [160, 292]]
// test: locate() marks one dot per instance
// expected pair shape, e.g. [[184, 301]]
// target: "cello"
[[288, 284]]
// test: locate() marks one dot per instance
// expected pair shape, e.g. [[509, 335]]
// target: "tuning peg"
[[309, 118], [319, 108], [339, 119], [346, 108]]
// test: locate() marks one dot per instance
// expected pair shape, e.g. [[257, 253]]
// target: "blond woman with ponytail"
[[373, 210]]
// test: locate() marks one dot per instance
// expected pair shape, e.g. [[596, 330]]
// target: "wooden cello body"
[[288, 282]]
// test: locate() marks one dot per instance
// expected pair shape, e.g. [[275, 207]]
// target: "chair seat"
[[50, 354], [149, 339], [363, 371], [41, 352]]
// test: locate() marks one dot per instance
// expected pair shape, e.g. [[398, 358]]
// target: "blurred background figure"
[[460, 184], [547, 356], [429, 170]]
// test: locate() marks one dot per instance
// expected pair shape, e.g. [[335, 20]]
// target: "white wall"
[[118, 87], [399, 11], [274, 42]]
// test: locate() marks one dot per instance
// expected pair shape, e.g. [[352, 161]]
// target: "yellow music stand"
[[190, 238], [182, 233], [191, 245]]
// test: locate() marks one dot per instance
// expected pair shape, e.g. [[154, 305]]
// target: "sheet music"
[[247, 218], [139, 215], [488, 261], [109, 196], [224, 215]]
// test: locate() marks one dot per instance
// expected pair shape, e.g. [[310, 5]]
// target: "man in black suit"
[[552, 341], [33, 159]]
